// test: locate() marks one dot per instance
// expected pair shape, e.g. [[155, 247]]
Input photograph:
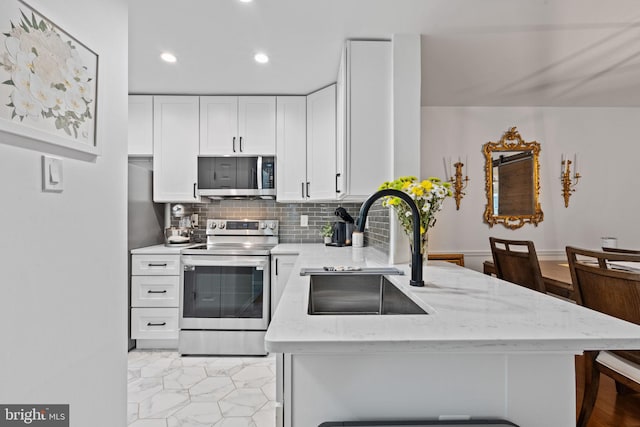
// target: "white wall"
[[604, 204], [63, 265]]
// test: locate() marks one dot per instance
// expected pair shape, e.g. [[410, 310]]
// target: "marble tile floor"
[[167, 390]]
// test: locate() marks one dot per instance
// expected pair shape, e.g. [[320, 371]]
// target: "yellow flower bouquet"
[[428, 194]]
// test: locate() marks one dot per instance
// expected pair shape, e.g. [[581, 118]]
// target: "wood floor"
[[612, 409]]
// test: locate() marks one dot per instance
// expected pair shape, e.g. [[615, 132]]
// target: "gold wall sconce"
[[456, 178], [568, 182]]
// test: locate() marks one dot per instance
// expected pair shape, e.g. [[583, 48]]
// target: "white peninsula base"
[[487, 348], [530, 390]]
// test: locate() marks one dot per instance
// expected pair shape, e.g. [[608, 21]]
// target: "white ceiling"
[[474, 52]]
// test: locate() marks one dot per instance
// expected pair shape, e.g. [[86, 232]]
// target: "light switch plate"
[[304, 220], [52, 174]]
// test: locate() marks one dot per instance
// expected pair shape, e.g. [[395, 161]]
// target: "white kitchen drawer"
[[154, 323], [154, 291], [155, 265]]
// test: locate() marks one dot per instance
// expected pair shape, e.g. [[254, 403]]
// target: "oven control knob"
[[221, 224], [272, 225], [263, 225], [212, 224]]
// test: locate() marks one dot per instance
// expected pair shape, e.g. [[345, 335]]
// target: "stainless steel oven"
[[225, 289]]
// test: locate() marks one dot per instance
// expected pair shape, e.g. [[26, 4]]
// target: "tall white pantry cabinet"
[[365, 124]]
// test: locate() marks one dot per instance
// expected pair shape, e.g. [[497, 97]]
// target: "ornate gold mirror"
[[512, 181]]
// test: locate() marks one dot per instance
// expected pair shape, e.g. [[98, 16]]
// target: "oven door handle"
[[190, 266]]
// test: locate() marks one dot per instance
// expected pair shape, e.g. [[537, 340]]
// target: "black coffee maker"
[[343, 229]]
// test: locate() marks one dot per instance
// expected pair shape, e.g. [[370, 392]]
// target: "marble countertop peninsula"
[[468, 312]]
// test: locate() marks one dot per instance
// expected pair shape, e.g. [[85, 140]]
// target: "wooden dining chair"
[[604, 287], [621, 251], [516, 261]]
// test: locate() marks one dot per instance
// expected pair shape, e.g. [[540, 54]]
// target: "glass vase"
[[424, 246]]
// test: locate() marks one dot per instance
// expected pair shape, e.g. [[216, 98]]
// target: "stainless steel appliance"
[[225, 289], [220, 177]]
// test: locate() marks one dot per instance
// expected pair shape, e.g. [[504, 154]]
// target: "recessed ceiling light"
[[168, 57], [261, 58], [246, 1]]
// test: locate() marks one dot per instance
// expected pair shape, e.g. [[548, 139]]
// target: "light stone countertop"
[[468, 312], [290, 248], [161, 249]]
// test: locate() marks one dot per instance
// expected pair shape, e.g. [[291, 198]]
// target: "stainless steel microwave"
[[223, 177]]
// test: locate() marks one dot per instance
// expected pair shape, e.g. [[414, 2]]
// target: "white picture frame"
[[48, 83]]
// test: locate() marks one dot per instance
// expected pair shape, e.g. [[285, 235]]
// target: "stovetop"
[[237, 237], [230, 249]]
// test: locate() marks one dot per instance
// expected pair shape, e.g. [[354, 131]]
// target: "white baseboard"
[[157, 344]]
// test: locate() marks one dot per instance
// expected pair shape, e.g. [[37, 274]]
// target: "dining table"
[[556, 276]]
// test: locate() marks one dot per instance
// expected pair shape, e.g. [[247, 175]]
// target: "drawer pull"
[[157, 292], [157, 324], [158, 265]]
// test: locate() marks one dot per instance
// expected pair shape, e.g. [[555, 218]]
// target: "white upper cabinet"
[[291, 149], [140, 135], [306, 147], [365, 133], [175, 148], [341, 129], [218, 124], [237, 125], [257, 124], [321, 144]]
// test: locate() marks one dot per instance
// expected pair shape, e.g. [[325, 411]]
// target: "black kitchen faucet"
[[416, 256]]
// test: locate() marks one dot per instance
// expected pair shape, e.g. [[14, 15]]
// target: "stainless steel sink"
[[349, 294]]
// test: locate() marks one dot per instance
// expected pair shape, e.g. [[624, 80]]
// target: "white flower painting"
[[47, 78]]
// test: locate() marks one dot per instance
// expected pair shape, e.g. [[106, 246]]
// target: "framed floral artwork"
[[48, 82]]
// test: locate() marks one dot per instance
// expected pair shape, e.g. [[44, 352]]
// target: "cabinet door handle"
[[302, 189], [276, 266], [156, 292], [157, 265], [241, 144], [233, 144], [337, 177], [195, 184], [308, 194], [156, 324]]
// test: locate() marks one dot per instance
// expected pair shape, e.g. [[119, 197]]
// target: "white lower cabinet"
[[281, 267], [154, 323], [155, 285], [155, 265], [154, 291]]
